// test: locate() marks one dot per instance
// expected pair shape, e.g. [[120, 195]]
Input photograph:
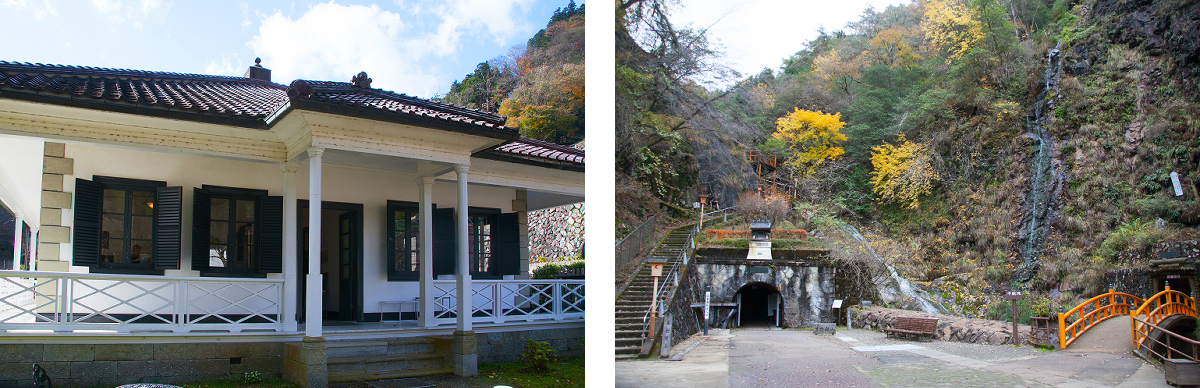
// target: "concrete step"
[[627, 356], [388, 375], [381, 364], [342, 349]]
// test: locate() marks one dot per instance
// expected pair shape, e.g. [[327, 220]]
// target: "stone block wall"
[[807, 289], [89, 365], [507, 346], [949, 328]]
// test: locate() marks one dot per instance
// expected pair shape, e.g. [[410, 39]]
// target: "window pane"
[[143, 228], [245, 210], [114, 201], [140, 252], [143, 203], [112, 226], [218, 232], [220, 209], [416, 262], [217, 255], [112, 251], [245, 233], [245, 255]]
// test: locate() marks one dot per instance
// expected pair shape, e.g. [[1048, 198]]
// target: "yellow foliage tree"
[[902, 173], [951, 26], [813, 138]]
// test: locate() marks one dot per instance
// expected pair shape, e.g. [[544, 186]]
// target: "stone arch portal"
[[759, 303]]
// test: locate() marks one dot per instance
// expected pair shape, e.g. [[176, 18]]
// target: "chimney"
[[258, 72]]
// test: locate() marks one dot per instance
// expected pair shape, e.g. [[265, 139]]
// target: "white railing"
[[500, 301], [61, 301]]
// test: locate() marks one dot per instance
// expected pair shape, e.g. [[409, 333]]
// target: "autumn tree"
[[903, 173], [952, 27], [811, 137]]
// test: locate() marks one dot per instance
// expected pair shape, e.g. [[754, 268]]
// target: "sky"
[[758, 34], [408, 46]]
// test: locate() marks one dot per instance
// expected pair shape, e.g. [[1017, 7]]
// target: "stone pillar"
[[313, 312], [464, 256], [305, 363], [465, 351], [55, 165], [425, 222], [290, 256]]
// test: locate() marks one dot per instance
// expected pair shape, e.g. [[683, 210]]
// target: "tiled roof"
[[250, 102], [203, 97], [341, 93], [542, 151], [192, 93]]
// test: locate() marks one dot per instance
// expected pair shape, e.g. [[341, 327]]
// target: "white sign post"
[[1175, 182], [707, 305]]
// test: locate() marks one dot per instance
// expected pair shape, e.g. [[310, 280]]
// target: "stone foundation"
[[949, 328], [507, 347], [89, 365]]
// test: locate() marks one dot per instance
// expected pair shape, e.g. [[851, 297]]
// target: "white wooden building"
[[179, 207]]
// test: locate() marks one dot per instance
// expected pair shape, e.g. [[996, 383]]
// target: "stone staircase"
[[368, 360], [633, 304]]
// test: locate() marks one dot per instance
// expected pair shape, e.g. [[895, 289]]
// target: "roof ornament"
[[300, 89], [361, 80], [258, 61]]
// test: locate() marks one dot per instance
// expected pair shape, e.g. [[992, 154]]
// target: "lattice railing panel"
[[499, 301], [124, 303]]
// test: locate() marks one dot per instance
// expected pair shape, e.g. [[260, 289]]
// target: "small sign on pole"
[[1014, 296], [1175, 182]]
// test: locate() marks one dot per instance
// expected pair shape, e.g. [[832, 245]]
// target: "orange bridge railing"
[[1157, 309], [1092, 312]]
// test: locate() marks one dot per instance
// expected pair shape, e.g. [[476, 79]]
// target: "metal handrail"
[[1099, 313], [634, 243], [1170, 349], [681, 260]]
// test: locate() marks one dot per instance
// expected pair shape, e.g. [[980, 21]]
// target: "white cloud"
[[226, 66], [133, 11], [334, 42], [39, 9], [245, 15]]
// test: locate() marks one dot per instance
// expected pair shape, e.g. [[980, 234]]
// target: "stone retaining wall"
[[949, 328], [89, 365], [507, 346]]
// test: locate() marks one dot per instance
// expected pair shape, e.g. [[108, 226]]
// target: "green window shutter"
[[201, 208], [89, 197], [444, 238], [271, 250], [506, 244], [168, 236]]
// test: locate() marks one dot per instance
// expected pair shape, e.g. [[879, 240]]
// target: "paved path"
[[860, 358], [1111, 336]]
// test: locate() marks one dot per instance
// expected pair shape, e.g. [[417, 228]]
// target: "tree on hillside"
[[812, 138], [903, 173]]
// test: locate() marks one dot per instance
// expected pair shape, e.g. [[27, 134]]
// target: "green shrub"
[[538, 354], [548, 271]]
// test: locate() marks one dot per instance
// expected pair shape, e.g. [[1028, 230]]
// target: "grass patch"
[[562, 372]]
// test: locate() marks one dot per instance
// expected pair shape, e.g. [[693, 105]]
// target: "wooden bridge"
[[1150, 321]]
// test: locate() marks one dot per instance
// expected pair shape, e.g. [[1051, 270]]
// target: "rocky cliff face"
[[1158, 28]]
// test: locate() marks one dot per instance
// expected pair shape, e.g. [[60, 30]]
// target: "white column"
[[425, 222], [17, 244], [464, 259], [313, 312], [289, 246]]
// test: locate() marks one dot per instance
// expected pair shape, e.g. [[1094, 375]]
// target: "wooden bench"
[[913, 326]]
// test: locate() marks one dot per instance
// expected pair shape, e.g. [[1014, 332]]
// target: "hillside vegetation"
[[1001, 143], [538, 85]]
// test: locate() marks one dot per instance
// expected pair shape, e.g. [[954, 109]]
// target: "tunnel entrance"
[[759, 304]]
